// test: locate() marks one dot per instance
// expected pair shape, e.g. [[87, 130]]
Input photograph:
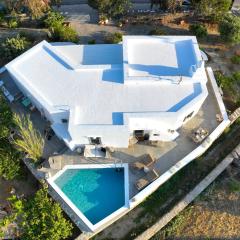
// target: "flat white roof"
[[157, 57], [89, 79]]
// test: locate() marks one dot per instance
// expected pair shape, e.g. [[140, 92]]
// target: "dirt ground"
[[26, 186], [213, 215]]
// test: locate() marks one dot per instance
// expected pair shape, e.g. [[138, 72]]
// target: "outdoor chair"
[[145, 160], [151, 176]]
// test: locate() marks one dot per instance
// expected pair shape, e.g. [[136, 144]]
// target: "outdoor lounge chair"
[[147, 179], [145, 160]]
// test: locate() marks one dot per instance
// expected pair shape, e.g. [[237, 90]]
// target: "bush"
[[6, 118], [63, 33], [229, 28], [13, 47], [156, 32], [111, 8], [235, 59], [12, 23], [9, 161], [93, 41], [114, 38], [198, 30], [53, 19], [234, 185]]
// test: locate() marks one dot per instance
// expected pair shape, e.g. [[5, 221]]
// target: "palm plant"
[[30, 140]]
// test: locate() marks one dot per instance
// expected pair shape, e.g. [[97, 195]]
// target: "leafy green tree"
[[229, 28], [111, 8], [30, 139], [12, 47], [214, 9], [40, 217], [198, 30], [9, 161]]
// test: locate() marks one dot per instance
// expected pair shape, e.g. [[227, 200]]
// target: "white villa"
[[106, 93]]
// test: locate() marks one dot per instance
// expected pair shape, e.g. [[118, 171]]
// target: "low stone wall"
[[150, 232]]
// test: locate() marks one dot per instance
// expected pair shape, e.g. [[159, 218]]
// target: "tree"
[[111, 8], [12, 47], [40, 217], [229, 28], [213, 9], [30, 140], [9, 161], [198, 30]]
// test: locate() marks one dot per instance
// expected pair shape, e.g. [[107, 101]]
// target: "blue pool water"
[[95, 192]]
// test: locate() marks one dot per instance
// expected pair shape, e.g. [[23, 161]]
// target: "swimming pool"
[[95, 192]]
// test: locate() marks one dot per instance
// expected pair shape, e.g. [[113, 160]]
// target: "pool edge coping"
[[77, 211]]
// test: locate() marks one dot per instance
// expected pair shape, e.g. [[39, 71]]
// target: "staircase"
[[235, 115]]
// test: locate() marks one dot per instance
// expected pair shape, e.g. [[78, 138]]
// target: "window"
[[64, 120], [95, 141], [188, 116]]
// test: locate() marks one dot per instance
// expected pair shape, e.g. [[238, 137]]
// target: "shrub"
[[6, 118], [93, 41], [111, 8], [9, 161], [114, 38], [157, 31], [12, 23], [53, 18], [229, 28], [234, 185], [30, 139], [63, 33], [198, 30], [235, 59], [12, 47]]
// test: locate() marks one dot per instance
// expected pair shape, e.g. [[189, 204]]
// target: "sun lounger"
[[147, 179], [145, 160], [26, 102]]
